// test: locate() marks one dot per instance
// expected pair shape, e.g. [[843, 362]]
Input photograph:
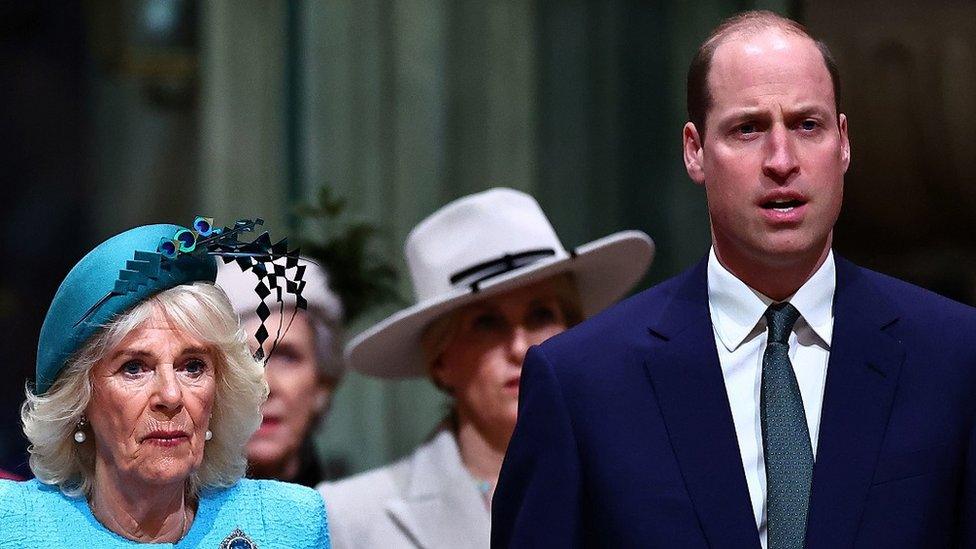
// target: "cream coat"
[[427, 499]]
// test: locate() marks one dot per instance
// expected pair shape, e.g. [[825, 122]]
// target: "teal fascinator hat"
[[131, 267]]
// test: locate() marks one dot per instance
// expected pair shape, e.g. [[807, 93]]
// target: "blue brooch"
[[238, 540]]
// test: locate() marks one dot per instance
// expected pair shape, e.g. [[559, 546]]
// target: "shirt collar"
[[815, 300], [736, 309]]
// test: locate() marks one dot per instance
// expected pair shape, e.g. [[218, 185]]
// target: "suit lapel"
[[862, 374], [441, 506], [687, 379]]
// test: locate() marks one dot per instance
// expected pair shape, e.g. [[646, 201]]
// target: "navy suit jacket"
[[625, 435]]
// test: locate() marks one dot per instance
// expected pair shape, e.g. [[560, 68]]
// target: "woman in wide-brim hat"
[[491, 279]]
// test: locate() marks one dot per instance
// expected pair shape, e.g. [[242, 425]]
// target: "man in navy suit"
[[774, 395]]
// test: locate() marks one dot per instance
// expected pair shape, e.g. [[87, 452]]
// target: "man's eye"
[[809, 125], [746, 129], [132, 367]]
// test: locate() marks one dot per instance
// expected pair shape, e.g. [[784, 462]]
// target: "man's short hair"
[[750, 22]]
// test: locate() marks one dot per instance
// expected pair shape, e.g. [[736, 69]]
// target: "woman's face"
[[151, 403], [297, 394], [482, 364]]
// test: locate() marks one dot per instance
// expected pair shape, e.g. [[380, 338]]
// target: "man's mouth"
[[782, 204]]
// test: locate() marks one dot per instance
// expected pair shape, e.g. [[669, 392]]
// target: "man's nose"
[[168, 395], [780, 161]]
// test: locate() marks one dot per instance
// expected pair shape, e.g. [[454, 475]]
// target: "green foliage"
[[359, 275]]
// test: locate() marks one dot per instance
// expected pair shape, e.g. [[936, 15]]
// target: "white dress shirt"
[[740, 336]]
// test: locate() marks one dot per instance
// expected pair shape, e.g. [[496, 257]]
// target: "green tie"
[[786, 439]]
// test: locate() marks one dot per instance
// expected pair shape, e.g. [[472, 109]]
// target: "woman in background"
[[302, 373], [491, 279]]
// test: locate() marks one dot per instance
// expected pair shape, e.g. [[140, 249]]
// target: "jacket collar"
[[686, 377], [441, 505], [862, 374]]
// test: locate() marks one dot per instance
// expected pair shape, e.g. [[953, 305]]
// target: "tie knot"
[[780, 318]]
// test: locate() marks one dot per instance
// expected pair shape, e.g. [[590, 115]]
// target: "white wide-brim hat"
[[482, 245]]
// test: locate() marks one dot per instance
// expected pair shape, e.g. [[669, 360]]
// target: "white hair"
[[201, 311]]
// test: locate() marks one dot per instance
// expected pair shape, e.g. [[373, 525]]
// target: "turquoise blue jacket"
[[251, 514]]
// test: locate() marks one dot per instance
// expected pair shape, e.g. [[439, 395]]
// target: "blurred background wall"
[[119, 113]]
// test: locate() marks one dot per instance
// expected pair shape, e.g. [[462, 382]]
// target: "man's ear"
[[692, 147], [845, 142]]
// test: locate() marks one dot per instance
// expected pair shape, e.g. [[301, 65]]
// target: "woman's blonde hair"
[[439, 334], [201, 311]]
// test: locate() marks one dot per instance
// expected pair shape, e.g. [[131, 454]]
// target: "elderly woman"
[[302, 373], [145, 396], [491, 279]]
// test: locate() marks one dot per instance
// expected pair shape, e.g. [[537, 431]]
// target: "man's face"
[[775, 151]]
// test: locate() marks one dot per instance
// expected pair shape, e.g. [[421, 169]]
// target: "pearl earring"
[[208, 435], [80, 430]]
